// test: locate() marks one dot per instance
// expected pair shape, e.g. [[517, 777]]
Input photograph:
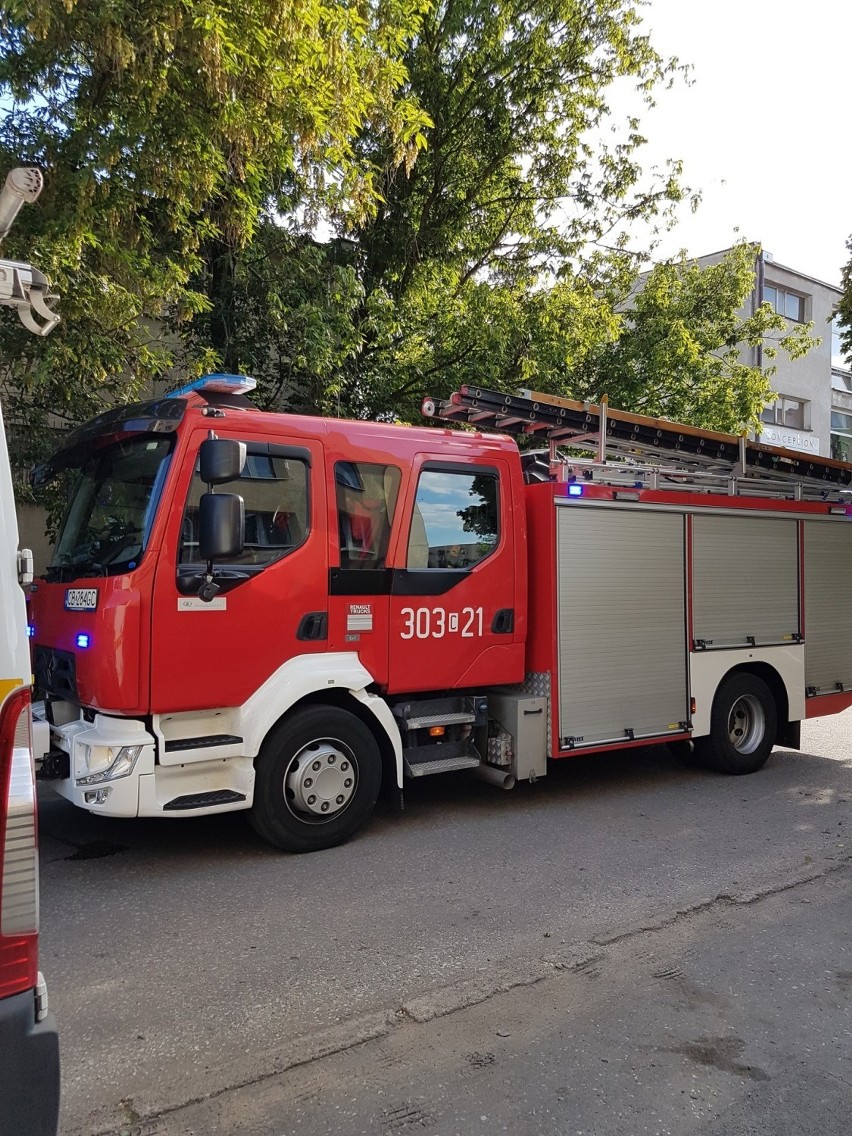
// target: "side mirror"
[[221, 526], [221, 460]]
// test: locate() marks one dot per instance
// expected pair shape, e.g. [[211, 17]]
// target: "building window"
[[841, 436], [787, 304], [839, 358], [794, 413], [841, 446]]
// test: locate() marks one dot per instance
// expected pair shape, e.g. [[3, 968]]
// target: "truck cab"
[[221, 570]]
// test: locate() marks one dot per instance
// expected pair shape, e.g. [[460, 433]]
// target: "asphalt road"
[[185, 959], [731, 1021]]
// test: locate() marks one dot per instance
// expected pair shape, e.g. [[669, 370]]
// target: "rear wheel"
[[318, 777], [742, 726]]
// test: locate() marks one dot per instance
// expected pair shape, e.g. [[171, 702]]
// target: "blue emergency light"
[[217, 384], [575, 490], [83, 640]]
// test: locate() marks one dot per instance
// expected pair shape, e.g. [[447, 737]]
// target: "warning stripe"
[[7, 685]]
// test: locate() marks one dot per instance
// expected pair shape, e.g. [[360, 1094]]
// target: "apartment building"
[[813, 408]]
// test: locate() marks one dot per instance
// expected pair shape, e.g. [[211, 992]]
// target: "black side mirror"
[[221, 460], [221, 526]]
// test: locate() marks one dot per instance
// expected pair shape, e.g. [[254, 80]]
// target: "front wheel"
[[742, 726], [317, 780]]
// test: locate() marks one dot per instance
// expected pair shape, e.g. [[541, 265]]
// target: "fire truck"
[[287, 614]]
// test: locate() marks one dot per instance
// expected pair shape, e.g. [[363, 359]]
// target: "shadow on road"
[[69, 833]]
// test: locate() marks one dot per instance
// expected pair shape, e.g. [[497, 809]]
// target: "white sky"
[[764, 130]]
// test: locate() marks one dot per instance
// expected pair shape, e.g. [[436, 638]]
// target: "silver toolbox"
[[525, 720]]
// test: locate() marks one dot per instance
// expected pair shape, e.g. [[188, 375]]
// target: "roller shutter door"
[[745, 580], [621, 624], [828, 605]]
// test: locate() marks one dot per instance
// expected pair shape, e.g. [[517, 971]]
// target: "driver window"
[[275, 493]]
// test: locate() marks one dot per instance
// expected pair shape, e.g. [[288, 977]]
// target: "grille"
[[55, 673]]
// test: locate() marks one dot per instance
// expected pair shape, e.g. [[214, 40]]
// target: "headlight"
[[106, 763]]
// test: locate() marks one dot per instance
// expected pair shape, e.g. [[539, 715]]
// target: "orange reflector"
[[436, 731], [692, 706]]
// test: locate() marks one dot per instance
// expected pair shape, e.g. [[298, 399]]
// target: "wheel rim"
[[746, 724], [320, 781]]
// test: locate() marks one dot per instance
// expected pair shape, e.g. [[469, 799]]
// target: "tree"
[[844, 306], [503, 257], [508, 254], [680, 352], [166, 130], [517, 212]]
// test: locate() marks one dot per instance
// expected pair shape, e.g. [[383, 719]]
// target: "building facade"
[[813, 408]]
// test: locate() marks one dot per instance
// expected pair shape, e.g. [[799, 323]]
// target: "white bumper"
[[85, 743]]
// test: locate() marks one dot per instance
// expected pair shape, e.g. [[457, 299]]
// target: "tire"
[[743, 723], [318, 775]]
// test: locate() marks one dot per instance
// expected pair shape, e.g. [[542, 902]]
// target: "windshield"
[[111, 509]]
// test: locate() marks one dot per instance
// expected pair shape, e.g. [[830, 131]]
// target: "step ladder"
[[453, 748], [632, 449]]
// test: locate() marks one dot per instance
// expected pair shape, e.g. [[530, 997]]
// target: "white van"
[[29, 1046]]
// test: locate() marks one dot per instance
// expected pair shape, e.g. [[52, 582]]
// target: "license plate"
[[81, 599]]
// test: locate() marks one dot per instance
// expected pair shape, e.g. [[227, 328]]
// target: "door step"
[[204, 800], [437, 733], [441, 764], [424, 722]]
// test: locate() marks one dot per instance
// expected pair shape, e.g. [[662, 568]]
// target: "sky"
[[763, 131]]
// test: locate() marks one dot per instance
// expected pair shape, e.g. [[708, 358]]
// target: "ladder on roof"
[[647, 452]]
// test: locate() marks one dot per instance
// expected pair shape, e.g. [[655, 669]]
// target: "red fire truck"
[[250, 610]]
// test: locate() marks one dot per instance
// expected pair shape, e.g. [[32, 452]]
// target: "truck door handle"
[[314, 625], [504, 621]]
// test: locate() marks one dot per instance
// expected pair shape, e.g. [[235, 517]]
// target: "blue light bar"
[[217, 384], [83, 640], [575, 490]]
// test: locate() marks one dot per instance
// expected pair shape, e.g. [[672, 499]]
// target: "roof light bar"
[[217, 384]]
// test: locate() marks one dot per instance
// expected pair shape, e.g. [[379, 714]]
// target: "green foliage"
[[290, 322], [498, 256], [681, 352], [166, 130], [191, 147], [503, 257], [844, 307]]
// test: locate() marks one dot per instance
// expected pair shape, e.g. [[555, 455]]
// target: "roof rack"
[[646, 452]]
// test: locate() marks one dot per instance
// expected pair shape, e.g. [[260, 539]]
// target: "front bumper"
[[217, 785], [29, 1069], [118, 796]]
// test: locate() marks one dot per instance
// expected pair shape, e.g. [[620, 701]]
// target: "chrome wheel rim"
[[746, 724], [321, 780]]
